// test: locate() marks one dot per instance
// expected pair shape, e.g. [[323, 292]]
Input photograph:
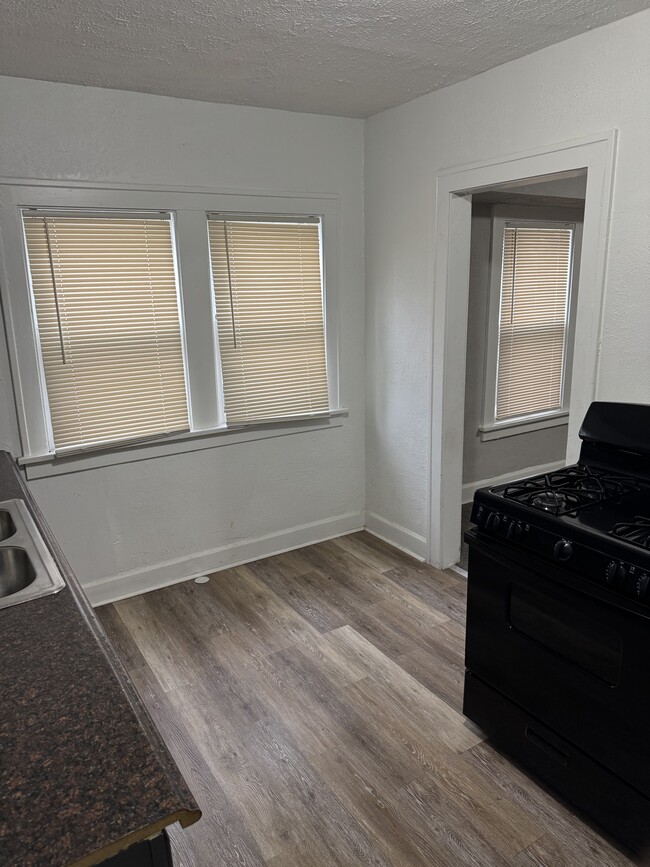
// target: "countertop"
[[83, 770]]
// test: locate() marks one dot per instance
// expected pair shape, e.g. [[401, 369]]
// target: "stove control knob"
[[563, 550], [634, 583], [642, 585], [493, 521], [616, 572], [515, 530]]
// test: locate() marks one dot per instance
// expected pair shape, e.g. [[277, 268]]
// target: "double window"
[[154, 323], [529, 325]]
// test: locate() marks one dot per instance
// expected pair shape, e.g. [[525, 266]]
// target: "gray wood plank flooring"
[[313, 703]]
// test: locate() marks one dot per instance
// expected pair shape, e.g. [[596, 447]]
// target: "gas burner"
[[607, 484], [566, 491], [637, 532], [551, 500], [583, 478], [555, 502]]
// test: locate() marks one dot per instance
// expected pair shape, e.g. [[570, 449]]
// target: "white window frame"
[[503, 217], [189, 209]]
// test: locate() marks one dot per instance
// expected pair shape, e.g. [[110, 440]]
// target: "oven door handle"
[[494, 548], [544, 570]]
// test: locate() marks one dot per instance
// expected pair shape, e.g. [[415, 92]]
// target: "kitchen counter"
[[83, 771]]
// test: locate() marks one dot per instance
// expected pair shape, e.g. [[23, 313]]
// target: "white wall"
[[595, 82], [206, 508]]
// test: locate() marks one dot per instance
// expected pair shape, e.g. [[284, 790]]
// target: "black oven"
[[576, 662], [558, 621]]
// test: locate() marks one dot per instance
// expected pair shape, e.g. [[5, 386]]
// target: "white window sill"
[[499, 430], [42, 466]]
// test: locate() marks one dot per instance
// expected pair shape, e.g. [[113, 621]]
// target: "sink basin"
[[7, 526], [16, 571], [27, 570]]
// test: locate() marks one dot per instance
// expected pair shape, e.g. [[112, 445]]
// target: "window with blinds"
[[106, 302], [269, 306], [532, 334]]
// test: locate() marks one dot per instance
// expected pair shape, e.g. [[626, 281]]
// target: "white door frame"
[[454, 187]]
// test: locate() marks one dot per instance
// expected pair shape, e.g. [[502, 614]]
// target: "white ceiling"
[[344, 57]]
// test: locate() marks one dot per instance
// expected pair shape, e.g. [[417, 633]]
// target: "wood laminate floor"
[[313, 702]]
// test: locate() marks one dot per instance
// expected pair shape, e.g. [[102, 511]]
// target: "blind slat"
[[269, 306], [534, 296], [107, 311]]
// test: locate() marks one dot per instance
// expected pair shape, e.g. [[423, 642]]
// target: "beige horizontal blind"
[[269, 305], [107, 310], [532, 322]]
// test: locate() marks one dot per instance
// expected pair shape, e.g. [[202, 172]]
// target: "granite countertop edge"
[[187, 811]]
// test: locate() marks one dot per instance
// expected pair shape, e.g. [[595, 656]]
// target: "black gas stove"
[[558, 621], [592, 516]]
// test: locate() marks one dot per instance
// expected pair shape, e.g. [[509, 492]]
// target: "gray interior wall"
[[488, 460], [565, 187]]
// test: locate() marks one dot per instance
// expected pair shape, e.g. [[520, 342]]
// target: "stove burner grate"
[[566, 491], [637, 531]]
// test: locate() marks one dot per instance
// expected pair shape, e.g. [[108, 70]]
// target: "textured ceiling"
[[345, 57]]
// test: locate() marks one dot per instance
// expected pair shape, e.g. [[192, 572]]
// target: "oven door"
[[573, 660]]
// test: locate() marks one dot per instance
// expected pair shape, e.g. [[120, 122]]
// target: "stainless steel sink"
[[16, 571], [27, 570], [7, 526]]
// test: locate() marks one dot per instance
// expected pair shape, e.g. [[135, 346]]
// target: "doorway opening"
[[523, 292], [585, 170]]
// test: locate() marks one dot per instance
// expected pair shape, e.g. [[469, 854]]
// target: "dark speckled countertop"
[[83, 771]]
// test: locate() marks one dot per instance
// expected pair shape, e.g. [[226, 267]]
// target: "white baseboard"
[[472, 487], [114, 588], [396, 535]]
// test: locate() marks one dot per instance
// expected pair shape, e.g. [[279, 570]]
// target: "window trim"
[[523, 424], [503, 216], [175, 444], [189, 207]]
